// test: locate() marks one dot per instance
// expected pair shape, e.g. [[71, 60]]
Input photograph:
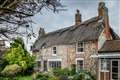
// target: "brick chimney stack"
[[77, 17], [103, 12]]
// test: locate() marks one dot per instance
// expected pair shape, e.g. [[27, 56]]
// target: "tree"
[[16, 14], [17, 54]]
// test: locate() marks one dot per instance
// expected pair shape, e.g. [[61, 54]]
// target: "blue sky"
[[88, 8]]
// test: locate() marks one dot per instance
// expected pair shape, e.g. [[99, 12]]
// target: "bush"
[[40, 76], [63, 77], [83, 75], [59, 72], [11, 70], [73, 69]]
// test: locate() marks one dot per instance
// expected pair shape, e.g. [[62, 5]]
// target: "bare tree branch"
[[16, 14]]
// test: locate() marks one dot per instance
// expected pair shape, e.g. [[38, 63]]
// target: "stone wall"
[[69, 55]]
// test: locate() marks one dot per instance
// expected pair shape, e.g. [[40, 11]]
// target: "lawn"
[[24, 78]]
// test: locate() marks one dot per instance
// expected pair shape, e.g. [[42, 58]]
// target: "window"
[[54, 50], [39, 63], [115, 70], [105, 64], [37, 66], [55, 64], [80, 47], [79, 65]]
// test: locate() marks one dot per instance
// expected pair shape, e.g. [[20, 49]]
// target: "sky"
[[88, 8]]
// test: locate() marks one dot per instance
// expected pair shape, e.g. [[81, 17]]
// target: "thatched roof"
[[86, 31], [110, 46]]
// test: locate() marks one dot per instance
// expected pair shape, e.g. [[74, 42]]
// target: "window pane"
[[115, 63], [80, 44], [54, 48], [80, 49], [115, 70], [54, 52], [115, 76]]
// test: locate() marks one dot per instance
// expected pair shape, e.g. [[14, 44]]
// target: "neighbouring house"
[[74, 45], [109, 60]]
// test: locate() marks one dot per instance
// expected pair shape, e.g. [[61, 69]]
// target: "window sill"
[[80, 52], [54, 54], [104, 71]]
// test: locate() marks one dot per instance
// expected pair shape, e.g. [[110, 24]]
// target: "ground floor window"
[[105, 65], [39, 63], [80, 65], [55, 64], [115, 70]]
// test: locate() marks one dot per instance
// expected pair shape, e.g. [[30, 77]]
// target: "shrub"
[[73, 69], [83, 75], [18, 54], [11, 70], [59, 72], [40, 76], [63, 77]]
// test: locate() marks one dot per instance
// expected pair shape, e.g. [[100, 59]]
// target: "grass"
[[24, 78]]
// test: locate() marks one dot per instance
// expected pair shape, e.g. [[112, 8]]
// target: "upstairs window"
[[54, 50], [80, 47]]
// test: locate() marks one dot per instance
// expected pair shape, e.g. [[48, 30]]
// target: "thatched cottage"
[[76, 44]]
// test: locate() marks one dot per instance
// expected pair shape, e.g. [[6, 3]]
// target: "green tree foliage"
[[17, 54]]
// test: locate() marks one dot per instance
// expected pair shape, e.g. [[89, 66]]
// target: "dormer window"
[[54, 50], [80, 47]]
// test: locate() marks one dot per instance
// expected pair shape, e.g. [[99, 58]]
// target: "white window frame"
[[54, 50], [76, 62], [104, 70], [53, 60], [80, 47]]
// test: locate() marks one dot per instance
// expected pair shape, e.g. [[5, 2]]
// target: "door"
[[115, 70], [45, 65]]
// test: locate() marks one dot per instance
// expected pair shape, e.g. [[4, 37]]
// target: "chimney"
[[41, 32], [77, 17], [103, 12]]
